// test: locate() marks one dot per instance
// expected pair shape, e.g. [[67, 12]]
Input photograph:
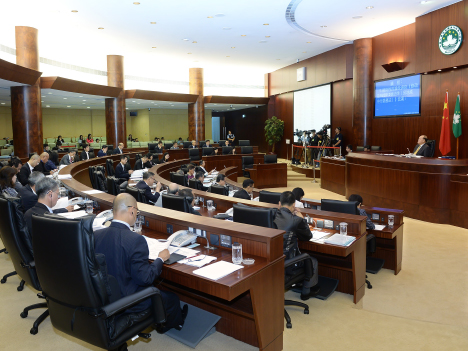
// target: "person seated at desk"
[[362, 212], [150, 163], [366, 148], [122, 172], [191, 172], [201, 167], [200, 177], [41, 166], [140, 164], [89, 139], [226, 143], [165, 158], [175, 146], [247, 187], [47, 148], [81, 139], [7, 181], [187, 193], [180, 141], [146, 184], [59, 141], [220, 180], [159, 149], [127, 259], [119, 149], [68, 158], [27, 169], [349, 149], [103, 151], [130, 137], [16, 163], [47, 191], [298, 194], [85, 153], [194, 145], [231, 138], [421, 148], [290, 220], [28, 192]]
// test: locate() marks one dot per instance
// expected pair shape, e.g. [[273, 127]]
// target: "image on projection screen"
[[312, 108]]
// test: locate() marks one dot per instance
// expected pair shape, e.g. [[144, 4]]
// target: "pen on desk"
[[187, 258]]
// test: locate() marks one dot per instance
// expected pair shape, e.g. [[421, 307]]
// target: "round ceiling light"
[[74, 11], [356, 17], [369, 7]]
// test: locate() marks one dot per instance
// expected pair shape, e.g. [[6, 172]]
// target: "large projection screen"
[[312, 108]]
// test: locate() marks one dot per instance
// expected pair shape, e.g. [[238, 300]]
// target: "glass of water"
[[197, 201], [236, 253], [343, 228], [209, 205], [89, 207], [137, 226], [391, 221]]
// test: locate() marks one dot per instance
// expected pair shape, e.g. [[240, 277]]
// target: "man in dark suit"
[[121, 171], [119, 149], [140, 164], [290, 220], [150, 163], [85, 153], [159, 149], [127, 260], [47, 190], [68, 159], [28, 192], [199, 178], [27, 169], [103, 151], [194, 145], [421, 148], [146, 184], [244, 193], [41, 166], [187, 193]]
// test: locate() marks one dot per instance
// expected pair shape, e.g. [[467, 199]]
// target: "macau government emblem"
[[450, 40]]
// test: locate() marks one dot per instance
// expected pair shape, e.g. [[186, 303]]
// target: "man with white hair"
[[27, 169], [41, 166]]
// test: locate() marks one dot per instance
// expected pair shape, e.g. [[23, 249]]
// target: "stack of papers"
[[318, 236], [73, 215], [341, 240], [61, 203], [64, 176], [138, 174], [217, 270], [156, 246], [91, 192], [379, 227], [199, 263]]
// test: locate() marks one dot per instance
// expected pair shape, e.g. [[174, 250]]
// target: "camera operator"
[[338, 141], [314, 141]]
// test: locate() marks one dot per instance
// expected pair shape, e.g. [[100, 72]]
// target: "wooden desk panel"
[[458, 200], [272, 175], [332, 175], [223, 161]]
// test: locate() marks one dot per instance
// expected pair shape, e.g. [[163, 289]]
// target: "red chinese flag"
[[444, 142]]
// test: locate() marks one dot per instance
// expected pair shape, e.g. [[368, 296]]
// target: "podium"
[[270, 175]]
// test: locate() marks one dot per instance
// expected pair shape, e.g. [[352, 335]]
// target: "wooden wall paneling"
[[196, 111], [342, 111], [423, 43], [321, 62], [284, 110]]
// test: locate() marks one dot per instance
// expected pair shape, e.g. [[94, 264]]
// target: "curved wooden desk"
[[421, 187], [249, 302]]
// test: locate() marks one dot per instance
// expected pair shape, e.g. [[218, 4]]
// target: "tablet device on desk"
[[174, 258]]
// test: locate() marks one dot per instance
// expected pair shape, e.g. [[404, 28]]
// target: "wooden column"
[[196, 111], [26, 108], [116, 121], [363, 85]]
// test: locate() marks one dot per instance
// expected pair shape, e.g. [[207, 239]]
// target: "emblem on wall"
[[450, 40]]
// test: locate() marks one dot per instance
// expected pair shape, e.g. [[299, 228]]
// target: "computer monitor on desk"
[[350, 207]]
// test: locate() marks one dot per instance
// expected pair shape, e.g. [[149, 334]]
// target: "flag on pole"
[[456, 126], [444, 142]]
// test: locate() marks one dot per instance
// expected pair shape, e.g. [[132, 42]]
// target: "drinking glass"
[[197, 201], [89, 207], [137, 226], [63, 192], [343, 228], [236, 253], [209, 205], [391, 221]]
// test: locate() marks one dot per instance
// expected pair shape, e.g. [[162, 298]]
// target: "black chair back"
[[244, 142], [179, 179], [194, 154], [432, 145], [110, 150], [138, 194], [202, 144], [270, 159], [113, 186], [187, 144], [192, 183], [375, 148], [92, 178], [101, 181], [222, 143], [110, 167], [269, 196], [176, 203], [350, 207], [152, 146], [167, 146], [77, 286], [137, 157], [207, 151], [247, 162], [262, 217], [246, 150], [17, 239], [227, 150], [219, 189], [54, 157], [359, 148]]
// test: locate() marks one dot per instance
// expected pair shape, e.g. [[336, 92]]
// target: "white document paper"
[[64, 176], [156, 246], [217, 270], [341, 240], [61, 203], [196, 262], [73, 215], [317, 235], [379, 227], [94, 191]]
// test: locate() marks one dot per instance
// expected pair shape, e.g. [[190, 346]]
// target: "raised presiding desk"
[[270, 175], [249, 301], [223, 161]]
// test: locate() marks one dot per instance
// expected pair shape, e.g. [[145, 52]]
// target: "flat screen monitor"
[[398, 97], [349, 207]]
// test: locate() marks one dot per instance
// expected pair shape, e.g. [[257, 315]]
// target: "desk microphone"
[[408, 150]]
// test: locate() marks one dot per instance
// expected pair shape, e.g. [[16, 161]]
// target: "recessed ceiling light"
[[47, 106], [266, 24], [425, 72], [243, 35], [80, 96], [3, 103], [189, 53], [84, 100], [42, 101], [133, 101], [323, 26], [101, 28], [439, 70], [194, 42], [278, 59], [304, 52], [74, 11], [136, 3], [356, 17], [153, 47], [126, 108], [88, 107], [454, 67], [233, 47], [226, 28], [426, 2], [68, 106], [228, 56], [267, 36], [210, 17], [185, 39], [369, 7], [152, 22], [309, 42], [49, 93]]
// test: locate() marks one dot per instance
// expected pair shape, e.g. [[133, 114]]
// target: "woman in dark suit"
[[165, 158], [8, 180]]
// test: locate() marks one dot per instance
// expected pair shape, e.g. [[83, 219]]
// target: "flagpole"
[[457, 148]]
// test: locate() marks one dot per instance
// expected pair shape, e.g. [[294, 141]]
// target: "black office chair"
[[84, 301], [176, 203], [113, 186], [227, 150], [259, 216], [359, 148], [202, 144], [179, 179], [195, 184], [110, 167], [138, 194], [247, 162], [54, 157], [375, 148], [110, 150], [151, 147], [5, 251], [137, 157], [222, 143], [269, 197], [350, 207], [432, 145], [244, 142], [91, 154], [246, 150], [194, 155], [219, 189], [187, 144], [92, 178], [167, 146], [270, 159], [101, 181], [18, 241], [207, 151]]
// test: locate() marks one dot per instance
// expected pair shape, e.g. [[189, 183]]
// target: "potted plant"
[[274, 129]]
